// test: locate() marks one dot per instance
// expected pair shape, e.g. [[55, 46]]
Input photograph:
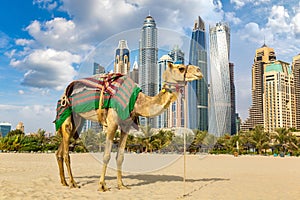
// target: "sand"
[[35, 176]]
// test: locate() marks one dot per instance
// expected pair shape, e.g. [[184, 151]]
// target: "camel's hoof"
[[64, 183], [103, 187], [73, 185], [123, 187]]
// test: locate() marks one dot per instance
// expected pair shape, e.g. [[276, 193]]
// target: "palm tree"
[[285, 141], [224, 144], [260, 139], [246, 141], [197, 142], [162, 139]]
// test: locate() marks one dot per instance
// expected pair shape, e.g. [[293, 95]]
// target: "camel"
[[175, 77]]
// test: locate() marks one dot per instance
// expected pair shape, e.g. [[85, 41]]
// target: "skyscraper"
[[220, 96], [148, 67], [122, 64], [296, 72], [198, 90], [232, 100], [148, 57], [177, 55], [279, 109], [134, 74], [98, 69], [163, 62], [263, 56]]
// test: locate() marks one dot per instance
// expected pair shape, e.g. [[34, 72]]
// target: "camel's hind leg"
[[120, 158], [110, 132], [60, 160]]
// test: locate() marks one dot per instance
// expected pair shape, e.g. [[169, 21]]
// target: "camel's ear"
[[170, 65]]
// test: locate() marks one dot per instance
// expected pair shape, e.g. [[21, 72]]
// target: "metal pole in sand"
[[184, 140], [184, 161]]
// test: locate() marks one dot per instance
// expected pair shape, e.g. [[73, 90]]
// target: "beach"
[[152, 176]]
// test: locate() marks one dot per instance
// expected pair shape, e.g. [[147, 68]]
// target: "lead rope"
[[99, 111]]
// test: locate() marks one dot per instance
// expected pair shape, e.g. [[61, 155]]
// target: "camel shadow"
[[150, 179], [146, 179]]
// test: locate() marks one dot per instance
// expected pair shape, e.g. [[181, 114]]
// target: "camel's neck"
[[147, 106]]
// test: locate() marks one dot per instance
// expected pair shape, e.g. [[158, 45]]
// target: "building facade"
[[134, 74], [279, 108], [220, 90], [122, 64], [164, 118], [263, 55], [148, 67], [232, 100], [5, 128], [98, 69], [296, 72], [198, 90]]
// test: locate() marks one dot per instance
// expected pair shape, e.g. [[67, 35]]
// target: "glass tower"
[[198, 90], [148, 68], [122, 64], [220, 90], [148, 57]]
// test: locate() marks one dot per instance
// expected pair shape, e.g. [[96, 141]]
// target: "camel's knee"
[[66, 157], [120, 159], [106, 158]]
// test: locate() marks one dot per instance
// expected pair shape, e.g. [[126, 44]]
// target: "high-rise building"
[[177, 55], [198, 90], [263, 56], [98, 69], [163, 62], [134, 74], [232, 100], [220, 90], [296, 72], [148, 68], [5, 128], [122, 64], [279, 108]]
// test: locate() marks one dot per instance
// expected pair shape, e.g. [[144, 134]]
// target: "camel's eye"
[[181, 69]]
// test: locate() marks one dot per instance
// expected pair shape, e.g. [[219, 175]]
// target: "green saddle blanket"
[[120, 93]]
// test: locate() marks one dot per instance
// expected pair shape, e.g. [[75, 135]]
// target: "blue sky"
[[45, 44]]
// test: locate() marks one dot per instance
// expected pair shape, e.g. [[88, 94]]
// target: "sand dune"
[[35, 176]]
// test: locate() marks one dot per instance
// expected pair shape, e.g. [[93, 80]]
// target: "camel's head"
[[177, 73]]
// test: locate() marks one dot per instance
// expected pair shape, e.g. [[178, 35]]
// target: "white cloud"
[[278, 20], [47, 68], [4, 41], [34, 116], [21, 92], [231, 18], [241, 3], [296, 25], [45, 4], [24, 42], [59, 34]]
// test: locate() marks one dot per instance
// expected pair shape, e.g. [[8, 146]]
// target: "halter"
[[175, 87]]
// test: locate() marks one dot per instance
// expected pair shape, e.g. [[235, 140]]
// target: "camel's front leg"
[[106, 157], [67, 128], [120, 159]]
